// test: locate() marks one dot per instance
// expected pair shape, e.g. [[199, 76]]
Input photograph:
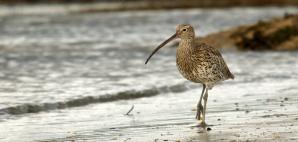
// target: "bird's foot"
[[203, 124]]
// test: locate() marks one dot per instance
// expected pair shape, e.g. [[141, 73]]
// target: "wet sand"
[[232, 117], [238, 111]]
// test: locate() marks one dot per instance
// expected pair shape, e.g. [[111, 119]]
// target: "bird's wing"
[[215, 55]]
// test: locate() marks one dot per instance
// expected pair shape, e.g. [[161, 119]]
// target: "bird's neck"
[[186, 45], [184, 54]]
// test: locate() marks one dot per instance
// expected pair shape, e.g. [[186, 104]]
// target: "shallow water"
[[51, 62]]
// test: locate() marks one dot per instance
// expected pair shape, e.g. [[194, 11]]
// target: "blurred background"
[[70, 70]]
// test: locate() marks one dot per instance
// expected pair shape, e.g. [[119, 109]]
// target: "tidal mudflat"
[[73, 77]]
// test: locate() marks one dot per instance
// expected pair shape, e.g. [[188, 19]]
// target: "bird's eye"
[[184, 30]]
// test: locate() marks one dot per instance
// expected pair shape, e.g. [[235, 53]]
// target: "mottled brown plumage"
[[199, 63]]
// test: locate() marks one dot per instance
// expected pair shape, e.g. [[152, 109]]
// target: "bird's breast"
[[188, 67]]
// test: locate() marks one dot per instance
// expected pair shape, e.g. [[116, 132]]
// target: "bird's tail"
[[230, 75]]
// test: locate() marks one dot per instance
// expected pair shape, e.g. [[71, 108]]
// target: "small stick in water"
[[132, 107]]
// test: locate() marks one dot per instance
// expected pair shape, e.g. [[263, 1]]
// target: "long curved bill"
[[160, 46]]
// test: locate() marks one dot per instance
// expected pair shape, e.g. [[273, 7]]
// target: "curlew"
[[199, 63]]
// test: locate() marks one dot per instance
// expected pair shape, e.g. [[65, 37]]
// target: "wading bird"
[[199, 63]]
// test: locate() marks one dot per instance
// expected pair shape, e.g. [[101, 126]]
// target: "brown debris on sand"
[[276, 34]]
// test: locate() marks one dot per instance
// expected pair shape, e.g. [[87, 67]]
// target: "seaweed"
[[283, 34], [254, 37]]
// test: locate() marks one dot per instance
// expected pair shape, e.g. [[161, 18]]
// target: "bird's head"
[[183, 31]]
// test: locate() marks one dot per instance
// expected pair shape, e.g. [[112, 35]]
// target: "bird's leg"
[[199, 105], [203, 123]]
